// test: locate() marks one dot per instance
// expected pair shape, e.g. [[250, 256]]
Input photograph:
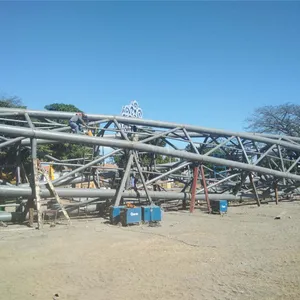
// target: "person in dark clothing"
[[133, 182], [77, 122]]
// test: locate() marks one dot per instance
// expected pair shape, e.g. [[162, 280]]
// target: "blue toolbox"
[[131, 216], [151, 213], [114, 214], [219, 206]]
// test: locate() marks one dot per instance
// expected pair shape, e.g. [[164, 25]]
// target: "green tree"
[[8, 155], [11, 102], [63, 151], [60, 150], [62, 107]]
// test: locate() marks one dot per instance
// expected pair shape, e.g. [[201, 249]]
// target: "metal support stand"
[[205, 189]]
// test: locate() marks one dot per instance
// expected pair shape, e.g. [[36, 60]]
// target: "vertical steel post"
[[124, 180], [194, 187], [205, 189]]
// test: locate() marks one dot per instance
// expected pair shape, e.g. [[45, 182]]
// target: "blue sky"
[[203, 63]]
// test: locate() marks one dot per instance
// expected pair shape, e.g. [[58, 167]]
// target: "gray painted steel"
[[66, 137], [269, 139], [110, 193], [267, 157]]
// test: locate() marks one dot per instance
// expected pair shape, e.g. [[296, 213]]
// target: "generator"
[[151, 213], [114, 214], [129, 216], [218, 206]]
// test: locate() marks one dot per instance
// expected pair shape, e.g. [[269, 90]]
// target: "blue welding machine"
[[114, 214], [131, 215], [219, 206], [151, 213]]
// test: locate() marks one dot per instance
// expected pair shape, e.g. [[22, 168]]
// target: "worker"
[[77, 122], [133, 182], [133, 135]]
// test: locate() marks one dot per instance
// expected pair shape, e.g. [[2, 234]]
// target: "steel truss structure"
[[208, 163]]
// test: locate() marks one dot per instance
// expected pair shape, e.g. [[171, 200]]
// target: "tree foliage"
[[62, 150], [280, 119], [62, 107], [11, 102], [8, 155]]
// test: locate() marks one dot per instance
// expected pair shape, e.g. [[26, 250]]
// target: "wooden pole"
[[31, 211], [35, 182], [52, 189], [276, 192], [194, 187], [254, 189]]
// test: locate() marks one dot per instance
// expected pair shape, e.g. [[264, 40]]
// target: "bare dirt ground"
[[246, 254]]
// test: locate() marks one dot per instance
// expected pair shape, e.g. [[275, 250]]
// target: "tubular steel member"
[[124, 179], [11, 142], [26, 192], [134, 121], [267, 158], [65, 137]]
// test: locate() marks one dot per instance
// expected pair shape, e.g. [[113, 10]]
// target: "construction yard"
[[246, 254]]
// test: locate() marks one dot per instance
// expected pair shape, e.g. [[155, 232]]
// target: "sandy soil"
[[243, 255]]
